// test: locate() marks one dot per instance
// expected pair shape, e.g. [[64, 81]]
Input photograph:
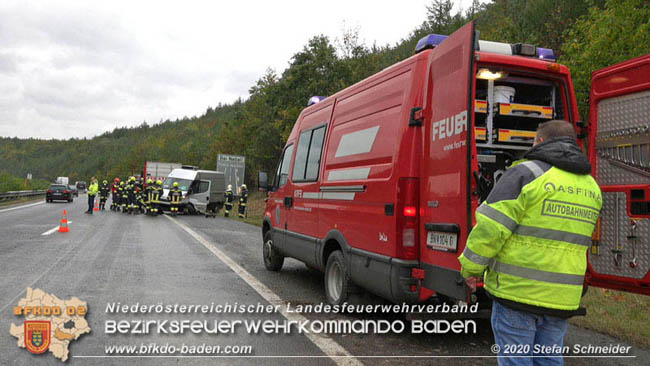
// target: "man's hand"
[[471, 283]]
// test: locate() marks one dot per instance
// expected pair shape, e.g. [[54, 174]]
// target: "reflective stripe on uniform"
[[541, 233], [536, 232], [497, 216], [533, 167], [476, 258], [536, 274]]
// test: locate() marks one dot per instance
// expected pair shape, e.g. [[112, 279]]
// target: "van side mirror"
[[262, 181]]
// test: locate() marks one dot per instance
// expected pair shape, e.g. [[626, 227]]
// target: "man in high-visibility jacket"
[[175, 197], [243, 201], [230, 198], [93, 188], [530, 244]]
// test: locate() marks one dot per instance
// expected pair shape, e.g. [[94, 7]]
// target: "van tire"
[[338, 286], [273, 260]]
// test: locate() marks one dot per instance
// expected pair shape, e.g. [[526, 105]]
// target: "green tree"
[[609, 34]]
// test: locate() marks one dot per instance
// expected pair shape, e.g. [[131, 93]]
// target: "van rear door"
[[446, 205], [619, 148]]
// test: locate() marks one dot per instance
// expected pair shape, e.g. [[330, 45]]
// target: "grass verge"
[[255, 209], [619, 314]]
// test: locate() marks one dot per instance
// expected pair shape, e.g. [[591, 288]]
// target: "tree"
[[607, 35], [439, 16]]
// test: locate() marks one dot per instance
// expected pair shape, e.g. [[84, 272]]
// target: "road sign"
[[29, 176], [233, 167]]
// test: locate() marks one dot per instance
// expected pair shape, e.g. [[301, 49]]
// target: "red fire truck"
[[378, 183]]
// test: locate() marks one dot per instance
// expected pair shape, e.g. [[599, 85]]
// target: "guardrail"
[[12, 195]]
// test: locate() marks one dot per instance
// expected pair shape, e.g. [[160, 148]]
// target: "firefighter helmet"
[[159, 182], [149, 181], [175, 184], [104, 181], [230, 187], [243, 186], [117, 180]]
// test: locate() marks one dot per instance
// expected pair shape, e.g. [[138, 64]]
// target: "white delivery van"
[[203, 190]]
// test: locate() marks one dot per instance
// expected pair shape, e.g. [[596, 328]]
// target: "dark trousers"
[[91, 203]]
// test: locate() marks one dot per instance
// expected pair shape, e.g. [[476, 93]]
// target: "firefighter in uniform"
[[123, 197], [155, 198], [115, 198], [530, 244], [103, 194], [243, 201], [140, 198], [230, 198], [175, 197], [148, 190], [130, 191]]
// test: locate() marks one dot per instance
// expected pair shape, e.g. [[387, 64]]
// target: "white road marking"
[[329, 346], [23, 206], [53, 229]]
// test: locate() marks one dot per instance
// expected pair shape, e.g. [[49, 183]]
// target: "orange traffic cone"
[[63, 228], [96, 207]]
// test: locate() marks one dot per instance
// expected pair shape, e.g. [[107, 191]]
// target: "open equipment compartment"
[[508, 107]]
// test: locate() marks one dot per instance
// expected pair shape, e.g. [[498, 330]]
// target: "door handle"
[[288, 201]]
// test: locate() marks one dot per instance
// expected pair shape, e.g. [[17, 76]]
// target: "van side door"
[[302, 228]]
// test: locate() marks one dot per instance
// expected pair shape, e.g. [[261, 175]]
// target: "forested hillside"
[[586, 34]]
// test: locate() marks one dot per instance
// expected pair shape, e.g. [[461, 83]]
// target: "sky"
[[81, 68]]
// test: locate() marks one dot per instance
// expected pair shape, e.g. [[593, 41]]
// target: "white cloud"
[[71, 68]]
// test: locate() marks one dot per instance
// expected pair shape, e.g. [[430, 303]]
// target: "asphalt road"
[[111, 257]]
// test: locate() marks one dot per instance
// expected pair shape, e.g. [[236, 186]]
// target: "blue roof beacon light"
[[546, 54], [430, 41], [315, 99]]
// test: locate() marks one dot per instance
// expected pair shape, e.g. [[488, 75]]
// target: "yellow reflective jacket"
[[533, 231]]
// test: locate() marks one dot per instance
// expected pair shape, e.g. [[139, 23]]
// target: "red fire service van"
[[378, 183]]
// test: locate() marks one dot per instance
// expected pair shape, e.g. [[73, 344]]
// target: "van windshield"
[[183, 184]]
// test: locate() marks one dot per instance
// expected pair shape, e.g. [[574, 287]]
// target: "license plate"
[[439, 240]]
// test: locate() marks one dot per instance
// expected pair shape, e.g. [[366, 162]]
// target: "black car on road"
[[59, 192], [74, 190]]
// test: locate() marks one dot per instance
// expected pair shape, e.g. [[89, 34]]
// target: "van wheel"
[[273, 260], [337, 279], [191, 210]]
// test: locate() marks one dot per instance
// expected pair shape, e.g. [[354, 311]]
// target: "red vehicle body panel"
[[618, 81]]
